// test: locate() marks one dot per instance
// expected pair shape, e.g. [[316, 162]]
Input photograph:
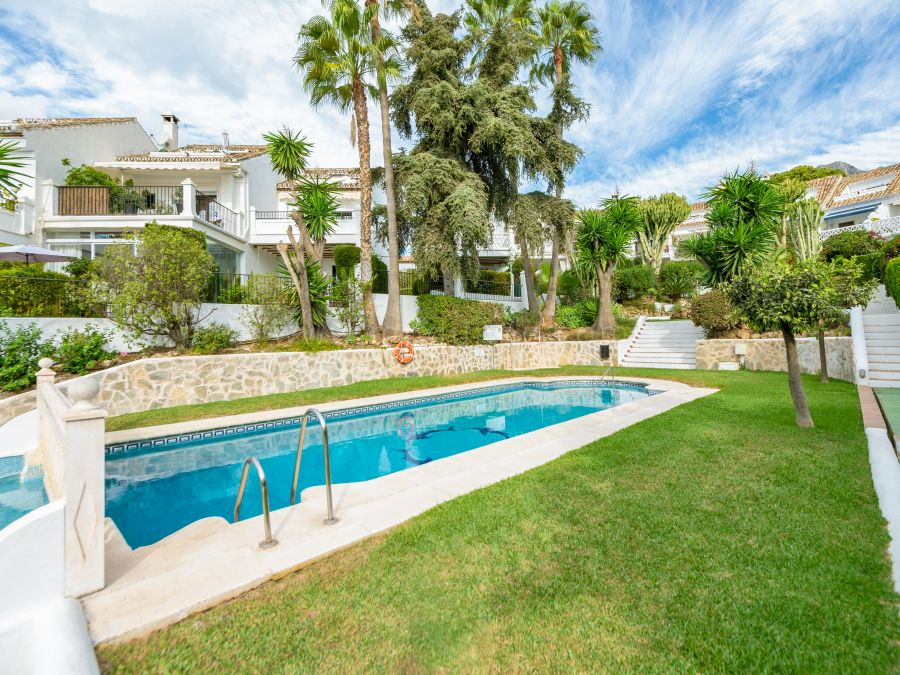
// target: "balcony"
[[130, 205]]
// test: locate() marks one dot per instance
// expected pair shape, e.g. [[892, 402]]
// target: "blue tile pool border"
[[343, 413]]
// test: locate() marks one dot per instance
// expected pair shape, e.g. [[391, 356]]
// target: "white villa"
[[869, 200], [228, 192]]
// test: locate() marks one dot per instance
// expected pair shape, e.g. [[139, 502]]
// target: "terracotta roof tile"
[[198, 153], [56, 122], [326, 173]]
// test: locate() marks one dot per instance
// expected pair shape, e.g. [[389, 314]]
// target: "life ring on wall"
[[403, 352]]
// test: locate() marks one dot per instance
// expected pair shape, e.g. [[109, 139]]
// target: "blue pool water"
[[156, 487], [19, 494]]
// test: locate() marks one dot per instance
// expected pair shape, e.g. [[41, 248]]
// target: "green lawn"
[[715, 537]]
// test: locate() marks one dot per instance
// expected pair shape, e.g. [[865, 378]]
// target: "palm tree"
[[661, 216], [288, 154], [10, 162], [566, 33], [744, 215], [603, 240], [392, 324], [339, 60]]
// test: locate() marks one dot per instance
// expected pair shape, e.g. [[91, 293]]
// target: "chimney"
[[225, 142], [169, 133]]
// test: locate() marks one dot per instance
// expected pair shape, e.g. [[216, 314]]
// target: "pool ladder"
[[268, 541], [330, 520]]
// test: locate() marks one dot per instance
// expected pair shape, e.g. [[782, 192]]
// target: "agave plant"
[[319, 293]]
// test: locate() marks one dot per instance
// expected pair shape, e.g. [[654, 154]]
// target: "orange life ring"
[[403, 352]]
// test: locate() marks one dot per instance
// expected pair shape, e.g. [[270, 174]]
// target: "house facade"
[[869, 201], [228, 192]]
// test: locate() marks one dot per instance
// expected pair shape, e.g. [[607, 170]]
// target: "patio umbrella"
[[31, 254]]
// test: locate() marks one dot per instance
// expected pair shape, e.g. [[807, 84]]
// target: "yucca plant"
[[10, 163]]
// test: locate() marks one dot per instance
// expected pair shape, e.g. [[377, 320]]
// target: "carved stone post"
[[84, 489]]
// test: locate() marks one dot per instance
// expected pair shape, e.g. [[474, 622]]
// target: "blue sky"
[[683, 91]]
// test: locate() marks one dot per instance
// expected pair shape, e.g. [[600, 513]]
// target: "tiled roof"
[[327, 173], [56, 122], [198, 153], [831, 198]]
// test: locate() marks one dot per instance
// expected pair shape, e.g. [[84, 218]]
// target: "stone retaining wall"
[[768, 354], [162, 382]]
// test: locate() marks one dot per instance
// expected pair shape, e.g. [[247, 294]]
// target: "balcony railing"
[[214, 213], [100, 200], [273, 215]]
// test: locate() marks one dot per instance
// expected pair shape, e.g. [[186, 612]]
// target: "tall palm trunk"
[[297, 270], [548, 315], [801, 407], [605, 325], [392, 324], [365, 209], [823, 354]]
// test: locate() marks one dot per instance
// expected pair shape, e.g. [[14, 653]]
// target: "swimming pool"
[[157, 486], [21, 491]]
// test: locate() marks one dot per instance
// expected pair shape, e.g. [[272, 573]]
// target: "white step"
[[884, 350], [881, 341], [657, 364], [895, 383], [884, 367]]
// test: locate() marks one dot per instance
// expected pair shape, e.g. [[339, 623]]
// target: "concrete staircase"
[[881, 320], [663, 344]]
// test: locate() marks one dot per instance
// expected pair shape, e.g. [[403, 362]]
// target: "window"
[[345, 215]]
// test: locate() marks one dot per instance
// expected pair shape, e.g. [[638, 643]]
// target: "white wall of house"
[[261, 183]]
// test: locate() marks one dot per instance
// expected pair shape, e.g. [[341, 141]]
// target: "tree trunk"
[[529, 277], [605, 325], [301, 283], [365, 207], [801, 408], [823, 356], [548, 315], [449, 282], [392, 325]]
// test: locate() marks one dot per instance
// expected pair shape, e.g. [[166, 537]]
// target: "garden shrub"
[[892, 279], [872, 265], [714, 313], [680, 278], [28, 290], [892, 248], [454, 320], [310, 345], [212, 338], [850, 244], [634, 282], [569, 289], [523, 321], [346, 257], [80, 351], [20, 351], [579, 315], [489, 282], [266, 313]]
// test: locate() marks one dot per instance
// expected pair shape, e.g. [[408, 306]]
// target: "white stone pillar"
[[84, 490], [860, 351], [188, 195], [458, 286]]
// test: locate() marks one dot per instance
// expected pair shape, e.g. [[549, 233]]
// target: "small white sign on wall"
[[493, 333], [479, 352]]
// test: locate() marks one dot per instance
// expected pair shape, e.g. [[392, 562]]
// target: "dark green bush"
[[454, 320], [212, 338], [680, 278], [489, 282], [892, 248], [892, 279], [579, 315], [633, 282], [850, 244], [346, 257], [20, 351], [872, 265], [569, 289], [80, 351], [28, 290], [714, 313]]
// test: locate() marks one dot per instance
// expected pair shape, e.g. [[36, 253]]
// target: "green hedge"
[[489, 282], [346, 257], [892, 279], [714, 313], [680, 278], [634, 282], [30, 291], [456, 321], [850, 244], [872, 265]]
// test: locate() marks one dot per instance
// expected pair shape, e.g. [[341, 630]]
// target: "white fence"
[[887, 227]]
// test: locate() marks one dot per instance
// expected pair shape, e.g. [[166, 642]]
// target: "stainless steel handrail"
[[268, 542], [312, 411]]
